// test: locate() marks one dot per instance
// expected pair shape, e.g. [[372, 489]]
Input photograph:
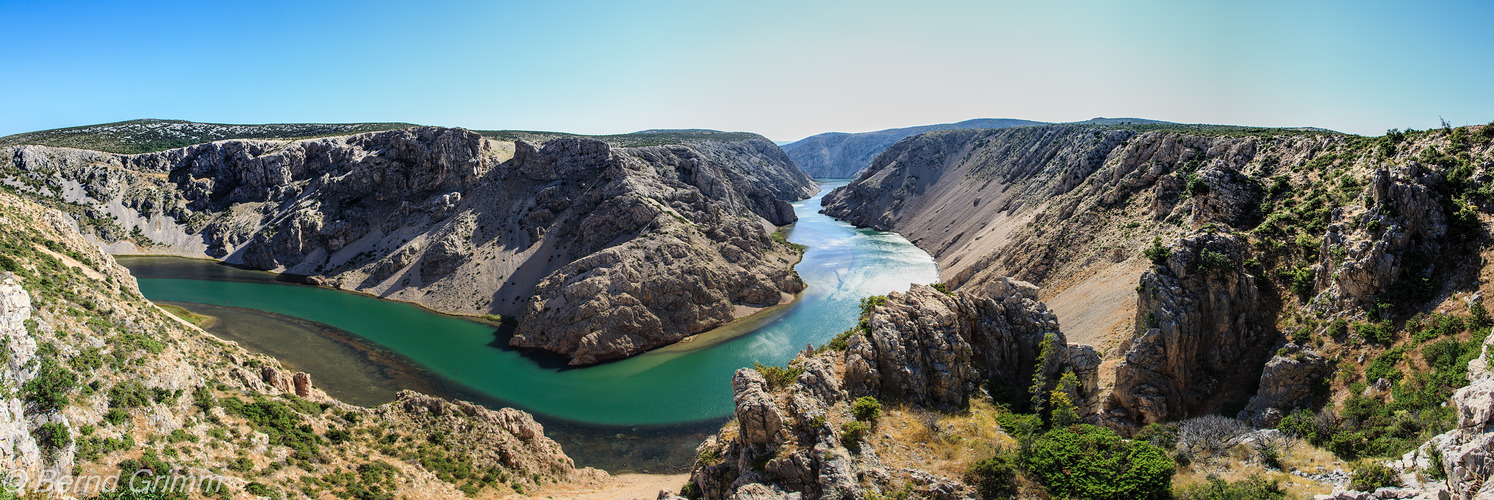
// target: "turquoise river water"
[[676, 386]]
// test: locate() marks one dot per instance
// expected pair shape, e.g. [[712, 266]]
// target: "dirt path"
[[619, 487]]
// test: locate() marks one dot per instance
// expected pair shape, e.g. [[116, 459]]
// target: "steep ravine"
[[677, 236], [1268, 231]]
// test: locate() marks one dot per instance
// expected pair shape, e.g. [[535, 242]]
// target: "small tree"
[[867, 409], [993, 477], [1157, 253]]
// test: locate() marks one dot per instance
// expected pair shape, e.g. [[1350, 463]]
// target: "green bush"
[[853, 433], [1197, 186], [1157, 253], [1376, 333], [942, 288], [1084, 461], [778, 377], [1253, 488], [52, 436], [1164, 436], [993, 477], [867, 409], [48, 391], [129, 394], [1370, 475], [1478, 316], [1338, 329], [1217, 261], [872, 302]]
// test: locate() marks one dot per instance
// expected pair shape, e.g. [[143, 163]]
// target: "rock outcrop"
[[587, 242], [18, 448], [935, 350], [1296, 377], [1200, 326], [923, 348], [1400, 238]]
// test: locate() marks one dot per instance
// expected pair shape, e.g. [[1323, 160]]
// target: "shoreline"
[[732, 329]]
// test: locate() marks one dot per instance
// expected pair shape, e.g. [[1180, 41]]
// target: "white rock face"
[[18, 450]]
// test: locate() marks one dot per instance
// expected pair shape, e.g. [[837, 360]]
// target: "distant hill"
[[151, 135], [840, 155], [651, 137]]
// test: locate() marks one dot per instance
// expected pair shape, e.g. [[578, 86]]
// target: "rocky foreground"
[[601, 252], [923, 348]]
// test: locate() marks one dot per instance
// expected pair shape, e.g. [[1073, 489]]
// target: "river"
[[362, 349]]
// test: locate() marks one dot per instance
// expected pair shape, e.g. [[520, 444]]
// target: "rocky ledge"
[[924, 349]]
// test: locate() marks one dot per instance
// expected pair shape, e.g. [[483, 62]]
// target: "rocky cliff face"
[[923, 348], [1201, 327], [1296, 224], [97, 378], [839, 155], [936, 350], [17, 445], [462, 224]]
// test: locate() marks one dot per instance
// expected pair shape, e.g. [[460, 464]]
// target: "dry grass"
[[1240, 463]]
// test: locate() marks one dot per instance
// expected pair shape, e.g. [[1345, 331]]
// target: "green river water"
[[361, 349]]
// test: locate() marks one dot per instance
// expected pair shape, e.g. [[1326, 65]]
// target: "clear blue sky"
[[786, 69]]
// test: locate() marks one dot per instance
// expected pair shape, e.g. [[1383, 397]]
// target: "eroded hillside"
[[100, 383], [678, 235]]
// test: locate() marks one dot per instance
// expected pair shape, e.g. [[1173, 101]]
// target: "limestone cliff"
[[1268, 230], [922, 348], [459, 223], [100, 382], [1201, 326]]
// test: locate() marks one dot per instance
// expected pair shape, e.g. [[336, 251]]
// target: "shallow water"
[[661, 393]]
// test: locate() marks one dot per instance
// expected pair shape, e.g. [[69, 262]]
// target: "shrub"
[[1025, 427], [1370, 475], [993, 477], [778, 377], [1164, 436], [1217, 261], [1375, 333], [1197, 186], [1478, 316], [853, 433], [1338, 329], [840, 342], [867, 409], [52, 436], [869, 303], [942, 288], [48, 391], [1157, 253], [1209, 435], [1084, 461], [129, 394], [1301, 424], [1252, 488]]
